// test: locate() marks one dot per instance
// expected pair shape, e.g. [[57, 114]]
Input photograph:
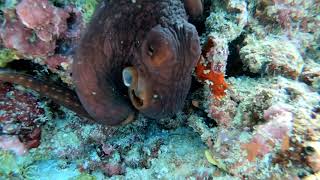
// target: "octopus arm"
[[60, 95]]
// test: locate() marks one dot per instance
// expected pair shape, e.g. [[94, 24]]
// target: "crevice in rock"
[[234, 64], [64, 47], [199, 22]]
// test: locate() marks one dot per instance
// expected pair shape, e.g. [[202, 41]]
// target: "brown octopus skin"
[[59, 94], [116, 38], [120, 35]]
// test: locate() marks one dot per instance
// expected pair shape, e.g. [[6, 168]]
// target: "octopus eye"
[[150, 50], [129, 75]]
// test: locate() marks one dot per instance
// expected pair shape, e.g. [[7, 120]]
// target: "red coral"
[[215, 79], [211, 73]]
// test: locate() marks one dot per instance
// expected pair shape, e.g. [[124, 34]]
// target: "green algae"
[[85, 176], [8, 4], [8, 163], [6, 56], [15, 167], [87, 7]]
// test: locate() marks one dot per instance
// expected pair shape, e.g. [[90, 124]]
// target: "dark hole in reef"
[[309, 150], [199, 22], [196, 93], [1, 16], [25, 66], [210, 122], [72, 21], [58, 4], [64, 47], [234, 64], [195, 85], [302, 174], [316, 109]]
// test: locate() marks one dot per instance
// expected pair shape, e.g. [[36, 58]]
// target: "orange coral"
[[215, 78]]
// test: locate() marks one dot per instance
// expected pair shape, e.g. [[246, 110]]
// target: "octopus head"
[[160, 77]]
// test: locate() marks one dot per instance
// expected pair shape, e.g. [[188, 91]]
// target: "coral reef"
[[43, 18], [267, 130], [255, 114], [263, 117], [43, 33], [7, 55], [15, 36], [272, 56]]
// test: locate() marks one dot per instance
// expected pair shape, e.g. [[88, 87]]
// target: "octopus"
[[134, 56]]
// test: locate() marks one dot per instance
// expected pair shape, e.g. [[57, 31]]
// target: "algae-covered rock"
[[272, 56], [8, 163], [87, 7], [227, 19], [6, 56]]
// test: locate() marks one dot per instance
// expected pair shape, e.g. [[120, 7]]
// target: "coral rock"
[[312, 149], [311, 74], [212, 65], [19, 115], [41, 16], [272, 56], [58, 61], [12, 143], [16, 36]]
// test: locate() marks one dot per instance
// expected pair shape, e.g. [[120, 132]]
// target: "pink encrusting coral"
[[45, 19], [43, 33], [274, 132], [16, 36], [34, 27], [12, 143]]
